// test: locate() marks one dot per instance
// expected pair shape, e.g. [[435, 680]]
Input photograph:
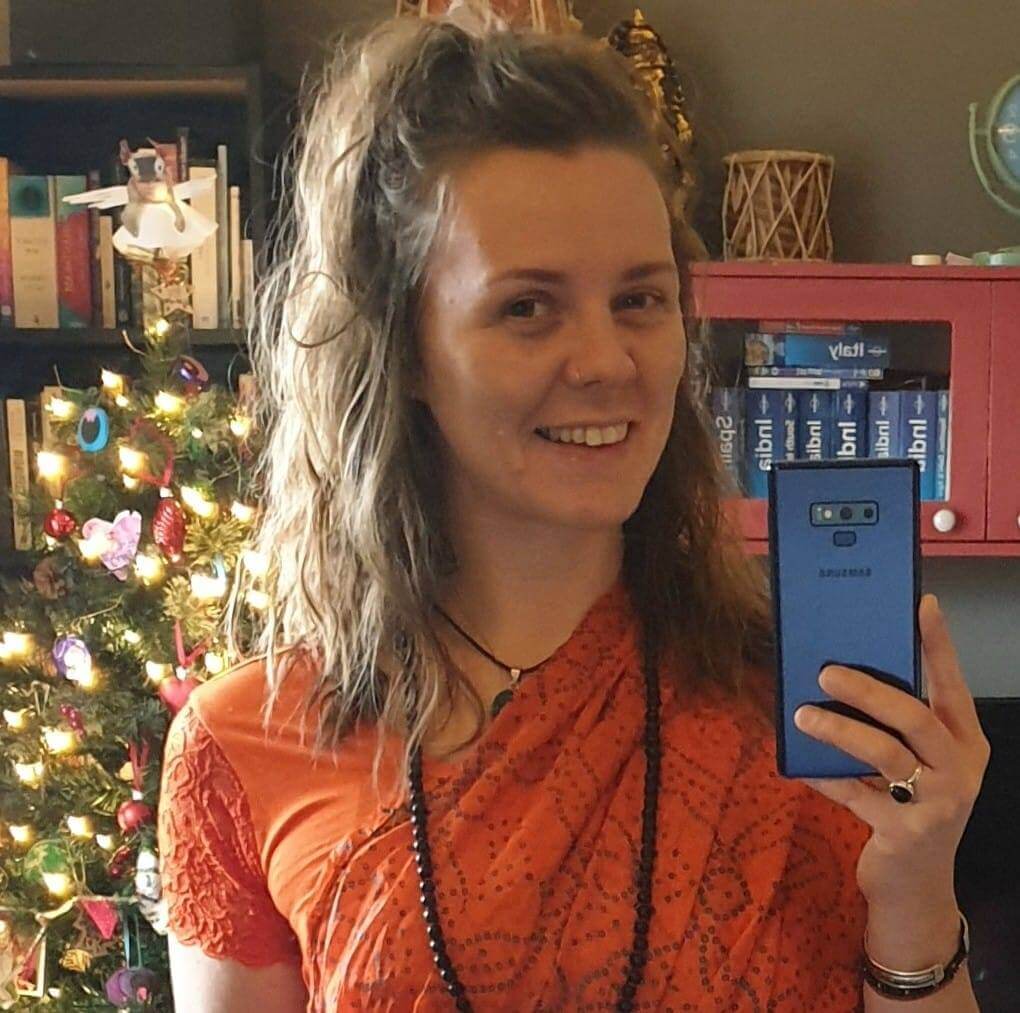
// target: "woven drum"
[[776, 206]]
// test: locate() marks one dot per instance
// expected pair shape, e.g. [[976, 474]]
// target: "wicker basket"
[[776, 206]]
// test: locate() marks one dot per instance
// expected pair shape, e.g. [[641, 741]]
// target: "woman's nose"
[[600, 352]]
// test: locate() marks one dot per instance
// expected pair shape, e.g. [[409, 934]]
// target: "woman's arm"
[[203, 984], [901, 938]]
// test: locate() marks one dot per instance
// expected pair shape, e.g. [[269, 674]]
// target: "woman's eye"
[[524, 301], [656, 298], [640, 301]]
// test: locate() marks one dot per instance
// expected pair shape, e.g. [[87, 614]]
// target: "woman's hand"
[[912, 852]]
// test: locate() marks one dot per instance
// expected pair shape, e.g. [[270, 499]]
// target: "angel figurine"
[[154, 223]]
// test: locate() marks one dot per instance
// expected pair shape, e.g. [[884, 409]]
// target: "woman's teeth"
[[591, 436]]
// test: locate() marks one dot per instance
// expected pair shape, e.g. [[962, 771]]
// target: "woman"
[[516, 751]]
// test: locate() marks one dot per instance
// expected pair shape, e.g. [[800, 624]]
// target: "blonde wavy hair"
[[351, 516]]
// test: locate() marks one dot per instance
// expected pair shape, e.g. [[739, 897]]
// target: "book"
[[814, 425], [771, 416], [804, 383], [18, 449], [885, 435], [6, 266], [826, 327], [850, 424], [222, 236], [843, 372], [248, 282], [941, 445], [728, 424], [95, 271], [74, 274], [204, 268], [236, 275], [6, 504], [33, 250], [107, 273], [762, 348], [918, 421]]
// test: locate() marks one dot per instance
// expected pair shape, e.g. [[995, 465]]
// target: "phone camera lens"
[[868, 513], [845, 513]]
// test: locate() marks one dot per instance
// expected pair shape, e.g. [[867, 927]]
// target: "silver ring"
[[903, 791]]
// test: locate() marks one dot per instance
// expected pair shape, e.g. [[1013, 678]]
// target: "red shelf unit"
[[977, 308]]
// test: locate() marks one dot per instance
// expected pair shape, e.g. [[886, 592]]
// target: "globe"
[[1000, 133]]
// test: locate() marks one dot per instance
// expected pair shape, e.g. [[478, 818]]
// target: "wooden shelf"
[[102, 337], [123, 81], [818, 269]]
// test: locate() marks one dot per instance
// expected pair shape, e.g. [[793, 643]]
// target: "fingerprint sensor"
[[844, 538]]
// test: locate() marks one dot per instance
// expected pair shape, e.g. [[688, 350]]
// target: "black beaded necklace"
[[646, 862]]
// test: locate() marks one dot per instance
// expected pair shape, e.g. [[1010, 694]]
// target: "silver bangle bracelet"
[[912, 984]]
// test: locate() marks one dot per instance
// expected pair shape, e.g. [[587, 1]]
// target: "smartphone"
[[845, 554]]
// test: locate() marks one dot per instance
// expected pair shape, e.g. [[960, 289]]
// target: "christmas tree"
[[140, 512]]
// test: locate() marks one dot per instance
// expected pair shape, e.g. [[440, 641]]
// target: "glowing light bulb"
[[112, 382], [240, 426], [169, 404], [60, 408], [106, 841], [93, 547], [58, 883], [58, 740], [122, 400], [161, 327], [213, 663], [130, 482], [22, 834], [132, 636], [157, 672], [80, 826], [242, 511], [131, 460], [17, 719], [17, 643], [256, 562], [257, 599], [197, 433], [196, 502], [29, 773], [148, 568]]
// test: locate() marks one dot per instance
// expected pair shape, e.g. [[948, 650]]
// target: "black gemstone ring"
[[903, 791]]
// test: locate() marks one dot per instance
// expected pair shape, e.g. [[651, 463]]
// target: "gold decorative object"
[[644, 48], [776, 206]]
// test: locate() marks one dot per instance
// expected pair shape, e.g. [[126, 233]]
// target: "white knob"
[[944, 520]]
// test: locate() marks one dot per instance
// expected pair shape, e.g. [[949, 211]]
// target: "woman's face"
[[552, 314]]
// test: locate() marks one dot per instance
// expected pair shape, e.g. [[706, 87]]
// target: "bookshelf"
[[69, 118]]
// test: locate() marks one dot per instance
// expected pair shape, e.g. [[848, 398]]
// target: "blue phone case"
[[842, 592]]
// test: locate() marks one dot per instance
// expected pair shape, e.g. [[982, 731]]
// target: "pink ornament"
[[174, 692], [122, 537], [73, 717]]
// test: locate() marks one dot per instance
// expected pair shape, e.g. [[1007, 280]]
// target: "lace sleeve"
[[211, 874]]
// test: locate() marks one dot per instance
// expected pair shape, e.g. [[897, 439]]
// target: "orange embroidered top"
[[272, 855]]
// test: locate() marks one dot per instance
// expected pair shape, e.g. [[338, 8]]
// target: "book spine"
[[248, 273], [20, 476], [136, 297], [121, 267], [107, 272], [941, 444], [6, 265], [95, 267], [884, 432], [842, 372], [809, 327], [236, 275], [814, 425], [6, 505], [918, 424], [33, 251], [222, 237], [74, 280], [764, 439], [793, 383], [850, 424], [204, 277], [728, 422]]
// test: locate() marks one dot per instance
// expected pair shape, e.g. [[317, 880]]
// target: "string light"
[[132, 636], [197, 433], [213, 663], [106, 841], [22, 834], [197, 503], [80, 826], [60, 408], [59, 884], [17, 719], [29, 774], [161, 328], [148, 568], [122, 400], [93, 547], [255, 562], [17, 643], [113, 383], [257, 599], [242, 511], [169, 404], [130, 482], [157, 672], [59, 740], [131, 460], [50, 465], [240, 426]]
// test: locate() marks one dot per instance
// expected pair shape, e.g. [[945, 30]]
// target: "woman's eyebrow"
[[558, 277]]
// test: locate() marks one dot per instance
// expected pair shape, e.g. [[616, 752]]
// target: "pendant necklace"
[[504, 696], [643, 909]]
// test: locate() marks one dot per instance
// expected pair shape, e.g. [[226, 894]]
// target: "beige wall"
[[883, 85]]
